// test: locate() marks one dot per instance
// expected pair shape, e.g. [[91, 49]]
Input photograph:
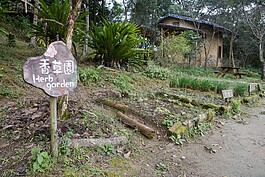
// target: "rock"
[[178, 128]]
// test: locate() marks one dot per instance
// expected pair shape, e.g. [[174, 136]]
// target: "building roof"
[[194, 20], [174, 27]]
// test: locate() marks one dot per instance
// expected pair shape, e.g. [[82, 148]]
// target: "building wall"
[[213, 42]]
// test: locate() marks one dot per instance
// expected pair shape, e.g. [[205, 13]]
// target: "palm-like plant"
[[115, 43], [52, 20]]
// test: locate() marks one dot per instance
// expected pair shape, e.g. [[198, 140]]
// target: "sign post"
[[55, 72], [53, 126]]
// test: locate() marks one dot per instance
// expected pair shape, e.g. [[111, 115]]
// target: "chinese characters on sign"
[[55, 71]]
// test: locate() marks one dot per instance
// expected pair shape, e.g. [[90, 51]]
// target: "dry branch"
[[145, 130], [117, 105]]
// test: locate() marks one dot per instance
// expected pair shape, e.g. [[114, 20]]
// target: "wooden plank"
[[227, 94]]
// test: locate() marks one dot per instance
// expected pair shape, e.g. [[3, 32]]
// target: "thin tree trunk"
[[73, 14], [85, 47], [231, 53], [125, 10], [35, 22], [261, 56]]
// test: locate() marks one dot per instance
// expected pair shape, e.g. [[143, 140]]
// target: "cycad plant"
[[116, 44], [52, 20]]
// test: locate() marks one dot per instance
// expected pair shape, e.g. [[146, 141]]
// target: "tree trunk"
[[231, 55], [35, 22], [85, 47], [73, 14], [206, 56], [261, 56], [125, 10]]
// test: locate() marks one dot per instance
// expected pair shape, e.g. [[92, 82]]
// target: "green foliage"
[[54, 17], [63, 148], [240, 89], [161, 166], [108, 148], [175, 46], [23, 26], [115, 44], [40, 161], [193, 40], [193, 70], [8, 92], [90, 75], [158, 72], [122, 82], [235, 104], [204, 84]]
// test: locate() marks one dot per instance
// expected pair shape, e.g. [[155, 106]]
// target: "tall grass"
[[207, 85]]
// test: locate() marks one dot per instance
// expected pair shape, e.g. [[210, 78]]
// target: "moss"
[[120, 166], [195, 103], [185, 99], [250, 99], [187, 105], [210, 106], [178, 128], [223, 109], [210, 115]]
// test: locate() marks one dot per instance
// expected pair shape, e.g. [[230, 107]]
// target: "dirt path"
[[235, 149], [240, 149]]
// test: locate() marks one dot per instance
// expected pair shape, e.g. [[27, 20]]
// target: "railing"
[[22, 7]]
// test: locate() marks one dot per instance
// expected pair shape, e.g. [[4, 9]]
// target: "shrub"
[[115, 44], [158, 72], [90, 75]]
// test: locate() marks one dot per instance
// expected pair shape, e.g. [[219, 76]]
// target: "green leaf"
[[36, 167], [40, 159], [45, 155]]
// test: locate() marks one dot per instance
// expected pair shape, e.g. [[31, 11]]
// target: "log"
[[145, 130], [122, 140], [117, 105]]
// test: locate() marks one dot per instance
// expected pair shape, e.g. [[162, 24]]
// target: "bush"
[[90, 75], [115, 44], [158, 72]]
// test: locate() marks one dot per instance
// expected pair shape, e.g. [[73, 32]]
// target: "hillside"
[[148, 99]]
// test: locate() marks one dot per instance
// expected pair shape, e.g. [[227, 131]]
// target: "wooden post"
[[53, 128]]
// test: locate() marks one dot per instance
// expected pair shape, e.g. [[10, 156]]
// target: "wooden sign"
[[227, 94], [55, 71], [253, 87]]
